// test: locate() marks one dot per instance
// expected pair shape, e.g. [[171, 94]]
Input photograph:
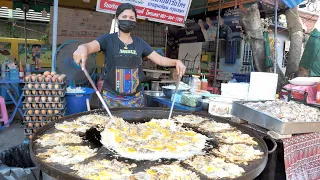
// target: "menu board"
[[80, 25]]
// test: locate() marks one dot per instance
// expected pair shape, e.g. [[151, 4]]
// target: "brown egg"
[[56, 99], [30, 125], [58, 117], [56, 111], [46, 73], [34, 105], [53, 92], [34, 130], [49, 99], [46, 79], [34, 118], [53, 73], [47, 105], [27, 131], [53, 105], [30, 137], [37, 111], [43, 99], [29, 99], [37, 99], [40, 118], [30, 86], [43, 111], [33, 92], [33, 78], [53, 79], [43, 86], [40, 105], [60, 79], [27, 105], [40, 92], [50, 111], [49, 76], [56, 86], [37, 125], [47, 92], [40, 78], [59, 105], [30, 111], [36, 86], [27, 92], [27, 78], [43, 124], [60, 92], [27, 118], [49, 86]]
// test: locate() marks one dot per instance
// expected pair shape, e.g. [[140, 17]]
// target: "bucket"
[[76, 102]]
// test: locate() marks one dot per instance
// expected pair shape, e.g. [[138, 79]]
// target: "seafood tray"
[[272, 123]]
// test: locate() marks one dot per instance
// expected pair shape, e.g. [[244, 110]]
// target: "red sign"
[[173, 12]]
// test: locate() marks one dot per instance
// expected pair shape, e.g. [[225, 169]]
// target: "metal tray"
[[272, 123]]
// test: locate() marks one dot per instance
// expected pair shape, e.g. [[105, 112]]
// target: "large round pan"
[[139, 115]]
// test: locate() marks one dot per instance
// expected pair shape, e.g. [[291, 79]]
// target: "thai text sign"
[[172, 12]]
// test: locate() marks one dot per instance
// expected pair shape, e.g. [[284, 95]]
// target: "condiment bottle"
[[318, 95], [21, 70], [204, 84]]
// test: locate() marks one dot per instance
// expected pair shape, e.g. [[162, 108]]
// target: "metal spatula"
[[95, 89], [174, 97]]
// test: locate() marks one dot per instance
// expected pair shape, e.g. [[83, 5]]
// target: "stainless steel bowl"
[[148, 98], [168, 92]]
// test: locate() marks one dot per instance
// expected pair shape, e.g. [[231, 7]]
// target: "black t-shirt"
[[107, 46]]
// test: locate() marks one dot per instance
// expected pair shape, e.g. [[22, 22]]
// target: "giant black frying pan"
[[139, 115]]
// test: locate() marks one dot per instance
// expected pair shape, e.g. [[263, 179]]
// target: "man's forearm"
[[167, 62]]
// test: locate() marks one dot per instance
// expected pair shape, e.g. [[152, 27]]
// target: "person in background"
[[123, 53], [225, 31], [203, 29], [212, 30]]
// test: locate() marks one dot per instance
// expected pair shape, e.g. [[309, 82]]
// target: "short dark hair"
[[125, 6]]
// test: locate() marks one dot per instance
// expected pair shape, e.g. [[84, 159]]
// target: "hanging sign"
[[172, 12]]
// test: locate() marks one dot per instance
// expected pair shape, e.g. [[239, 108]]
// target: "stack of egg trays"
[[39, 108]]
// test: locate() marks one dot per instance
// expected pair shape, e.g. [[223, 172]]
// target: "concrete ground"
[[14, 134]]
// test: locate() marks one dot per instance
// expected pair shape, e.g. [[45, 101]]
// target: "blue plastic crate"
[[241, 77]]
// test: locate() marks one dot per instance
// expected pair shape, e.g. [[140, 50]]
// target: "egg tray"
[[56, 94], [61, 87], [40, 114], [43, 107], [46, 118], [61, 100], [43, 81], [34, 126]]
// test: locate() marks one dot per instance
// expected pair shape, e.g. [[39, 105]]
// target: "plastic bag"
[[15, 163]]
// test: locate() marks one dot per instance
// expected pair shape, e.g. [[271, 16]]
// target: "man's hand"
[[81, 55]]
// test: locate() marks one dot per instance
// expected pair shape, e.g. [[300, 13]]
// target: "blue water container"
[[76, 102]]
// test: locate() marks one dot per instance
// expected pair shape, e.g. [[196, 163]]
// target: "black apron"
[[123, 79]]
